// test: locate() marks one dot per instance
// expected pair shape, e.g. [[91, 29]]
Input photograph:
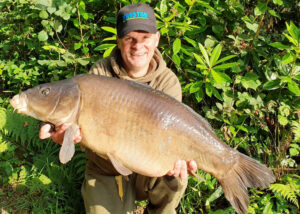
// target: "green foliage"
[[289, 190], [238, 64]]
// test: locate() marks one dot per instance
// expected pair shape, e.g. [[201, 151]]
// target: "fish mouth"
[[18, 102]]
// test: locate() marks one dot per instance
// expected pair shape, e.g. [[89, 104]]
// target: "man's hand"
[[58, 135], [181, 168]]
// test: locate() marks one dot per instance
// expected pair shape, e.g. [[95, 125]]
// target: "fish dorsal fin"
[[119, 166], [67, 149]]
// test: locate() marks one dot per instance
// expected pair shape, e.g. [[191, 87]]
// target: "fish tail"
[[245, 173]]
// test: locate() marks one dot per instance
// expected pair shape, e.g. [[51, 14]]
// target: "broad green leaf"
[[225, 59], [208, 89], [51, 9], [199, 95], [58, 26], [218, 29], [108, 51], [294, 88], [225, 66], [273, 13], [215, 54], [272, 84], [176, 59], [163, 7], [217, 94], [250, 80], [294, 152], [77, 45], [268, 208], [204, 53], [43, 36], [176, 46], [109, 29], [282, 120], [252, 26], [220, 78], [112, 38], [243, 128], [201, 66], [83, 61], [293, 31], [288, 58], [278, 2], [279, 45], [104, 47], [189, 2], [191, 41], [260, 9], [43, 14], [291, 39], [195, 87], [199, 58]]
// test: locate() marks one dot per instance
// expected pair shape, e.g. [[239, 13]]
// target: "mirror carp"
[[140, 130]]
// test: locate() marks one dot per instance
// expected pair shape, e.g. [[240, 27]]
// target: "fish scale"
[[141, 130]]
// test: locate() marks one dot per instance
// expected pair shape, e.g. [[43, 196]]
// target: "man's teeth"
[[138, 54]]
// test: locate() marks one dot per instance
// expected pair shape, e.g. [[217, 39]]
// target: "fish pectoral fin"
[[119, 166], [67, 149]]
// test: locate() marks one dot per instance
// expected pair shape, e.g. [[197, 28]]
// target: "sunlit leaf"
[[43, 36], [196, 87], [279, 45], [199, 58], [220, 78], [109, 29], [294, 88], [273, 13], [204, 53], [208, 89], [176, 46], [260, 8], [272, 84], [104, 47], [225, 66], [163, 8], [250, 80], [225, 59], [215, 54], [108, 51]]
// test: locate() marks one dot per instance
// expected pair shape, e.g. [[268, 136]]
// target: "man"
[[136, 58]]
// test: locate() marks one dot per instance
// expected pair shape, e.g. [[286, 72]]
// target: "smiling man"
[[135, 58]]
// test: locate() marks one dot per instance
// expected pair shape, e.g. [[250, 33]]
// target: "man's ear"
[[157, 35], [118, 42]]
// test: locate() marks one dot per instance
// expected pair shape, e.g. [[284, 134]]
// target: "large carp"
[[141, 130]]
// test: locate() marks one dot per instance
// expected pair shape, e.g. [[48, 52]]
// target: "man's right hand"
[[58, 135]]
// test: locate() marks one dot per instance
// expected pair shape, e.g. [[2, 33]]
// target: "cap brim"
[[138, 27]]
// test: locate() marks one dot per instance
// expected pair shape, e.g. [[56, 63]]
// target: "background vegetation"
[[238, 63]]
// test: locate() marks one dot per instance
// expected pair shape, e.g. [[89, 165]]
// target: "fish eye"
[[45, 91]]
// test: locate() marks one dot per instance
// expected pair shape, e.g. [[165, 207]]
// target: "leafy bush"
[[237, 61]]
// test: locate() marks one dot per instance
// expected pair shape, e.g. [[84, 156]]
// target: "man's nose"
[[138, 44]]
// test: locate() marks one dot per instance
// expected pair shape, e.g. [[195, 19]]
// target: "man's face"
[[137, 49]]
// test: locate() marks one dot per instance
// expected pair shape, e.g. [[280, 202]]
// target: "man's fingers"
[[183, 171], [45, 131], [177, 168], [77, 138], [192, 165]]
